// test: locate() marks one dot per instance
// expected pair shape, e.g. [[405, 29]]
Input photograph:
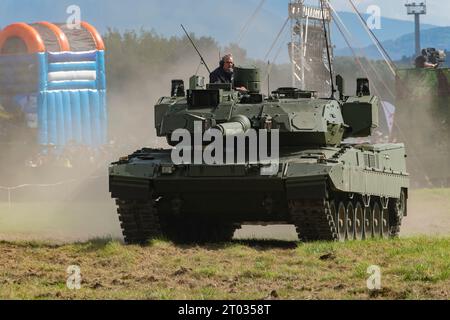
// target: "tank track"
[[397, 210], [313, 220], [395, 226], [139, 221]]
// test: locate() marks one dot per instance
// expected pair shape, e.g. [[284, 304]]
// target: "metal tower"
[[307, 49], [417, 9]]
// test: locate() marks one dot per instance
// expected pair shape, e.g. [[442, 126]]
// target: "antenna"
[[333, 90], [195, 47]]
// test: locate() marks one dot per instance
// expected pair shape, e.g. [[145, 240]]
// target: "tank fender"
[[306, 170], [132, 181], [306, 180], [136, 170], [354, 179]]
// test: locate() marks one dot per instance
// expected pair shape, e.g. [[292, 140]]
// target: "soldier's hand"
[[242, 89]]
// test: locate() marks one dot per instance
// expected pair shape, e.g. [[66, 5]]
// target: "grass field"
[[41, 240], [413, 268]]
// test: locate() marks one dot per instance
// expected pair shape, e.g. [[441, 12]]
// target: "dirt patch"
[[429, 213]]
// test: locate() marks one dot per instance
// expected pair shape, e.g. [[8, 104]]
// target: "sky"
[[437, 9], [148, 11], [220, 19]]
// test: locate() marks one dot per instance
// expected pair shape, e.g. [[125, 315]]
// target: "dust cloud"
[[429, 213], [422, 124], [63, 195]]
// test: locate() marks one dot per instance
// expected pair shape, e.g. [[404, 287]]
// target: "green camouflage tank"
[[329, 189]]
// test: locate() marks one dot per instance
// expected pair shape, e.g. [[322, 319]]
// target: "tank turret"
[[300, 117]]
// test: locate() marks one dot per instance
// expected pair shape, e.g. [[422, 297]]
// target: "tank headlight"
[[167, 169]]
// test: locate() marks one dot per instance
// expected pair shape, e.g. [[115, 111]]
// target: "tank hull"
[[307, 191]]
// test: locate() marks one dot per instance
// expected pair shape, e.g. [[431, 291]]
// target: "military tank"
[[329, 189]]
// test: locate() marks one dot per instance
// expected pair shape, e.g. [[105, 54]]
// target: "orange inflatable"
[[28, 34], [94, 33], [62, 39], [35, 42]]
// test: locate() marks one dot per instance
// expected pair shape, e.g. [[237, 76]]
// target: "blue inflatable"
[[62, 93]]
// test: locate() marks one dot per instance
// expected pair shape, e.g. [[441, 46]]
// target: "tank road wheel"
[[341, 222], [368, 223], [385, 223], [359, 221], [397, 210], [377, 219], [350, 221], [138, 220]]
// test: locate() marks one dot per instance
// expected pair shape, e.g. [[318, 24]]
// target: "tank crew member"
[[224, 73]]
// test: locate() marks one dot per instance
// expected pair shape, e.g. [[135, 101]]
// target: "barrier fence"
[[9, 190]]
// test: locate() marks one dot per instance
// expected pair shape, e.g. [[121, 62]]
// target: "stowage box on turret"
[[328, 189]]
